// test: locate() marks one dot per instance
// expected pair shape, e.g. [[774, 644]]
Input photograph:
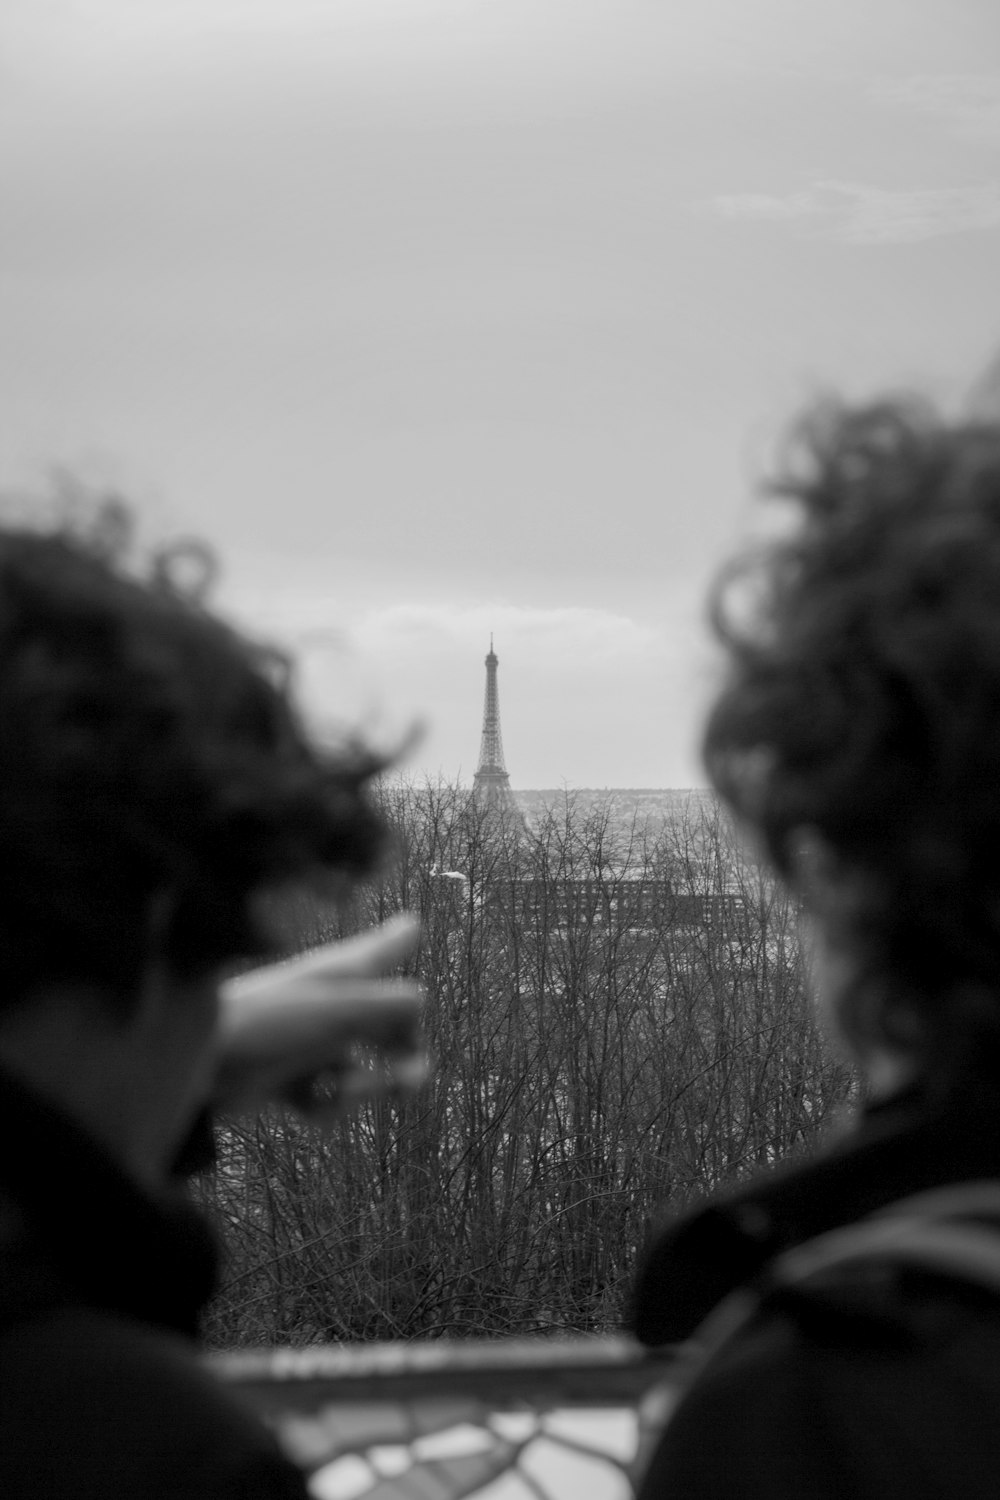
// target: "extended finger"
[[320, 1011], [367, 955]]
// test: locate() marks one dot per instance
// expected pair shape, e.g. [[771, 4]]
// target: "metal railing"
[[543, 1418]]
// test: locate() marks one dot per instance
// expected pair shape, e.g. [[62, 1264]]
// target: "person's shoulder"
[[97, 1404], [692, 1262], [843, 1387], [739, 1426], [97, 1354]]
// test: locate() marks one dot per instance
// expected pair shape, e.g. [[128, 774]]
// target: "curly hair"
[[863, 702], [154, 776]]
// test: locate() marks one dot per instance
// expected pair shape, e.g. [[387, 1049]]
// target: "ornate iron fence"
[[524, 1419]]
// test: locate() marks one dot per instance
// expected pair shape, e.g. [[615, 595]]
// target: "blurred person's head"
[[857, 734], [156, 785]]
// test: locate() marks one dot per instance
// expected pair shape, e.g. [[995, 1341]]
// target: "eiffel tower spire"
[[491, 782]]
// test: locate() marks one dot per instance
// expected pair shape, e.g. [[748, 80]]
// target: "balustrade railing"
[[524, 1419]]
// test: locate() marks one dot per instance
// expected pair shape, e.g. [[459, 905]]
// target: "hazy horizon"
[[438, 318]]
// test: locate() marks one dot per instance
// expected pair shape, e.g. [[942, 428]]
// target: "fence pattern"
[[519, 1419]]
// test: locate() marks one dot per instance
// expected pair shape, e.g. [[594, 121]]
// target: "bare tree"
[[618, 1022]]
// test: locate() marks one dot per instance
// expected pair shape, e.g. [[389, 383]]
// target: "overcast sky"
[[440, 317]]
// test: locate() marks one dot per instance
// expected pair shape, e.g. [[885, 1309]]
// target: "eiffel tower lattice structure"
[[491, 783]]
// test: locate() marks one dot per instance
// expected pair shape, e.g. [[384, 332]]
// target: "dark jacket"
[[102, 1396], [874, 1383]]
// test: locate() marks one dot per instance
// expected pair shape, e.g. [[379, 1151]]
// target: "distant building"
[[646, 904]]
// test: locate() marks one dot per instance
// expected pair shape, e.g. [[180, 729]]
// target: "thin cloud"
[[861, 214], [306, 622], [556, 631], [968, 104]]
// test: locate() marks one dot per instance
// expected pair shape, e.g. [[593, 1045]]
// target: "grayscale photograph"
[[500, 750]]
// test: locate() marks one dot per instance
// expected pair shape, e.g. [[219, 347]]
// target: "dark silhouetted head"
[[861, 713], [155, 779]]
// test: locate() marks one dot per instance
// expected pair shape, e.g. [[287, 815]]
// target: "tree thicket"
[[618, 1023]]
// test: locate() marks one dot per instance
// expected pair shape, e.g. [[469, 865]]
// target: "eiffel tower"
[[491, 783]]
